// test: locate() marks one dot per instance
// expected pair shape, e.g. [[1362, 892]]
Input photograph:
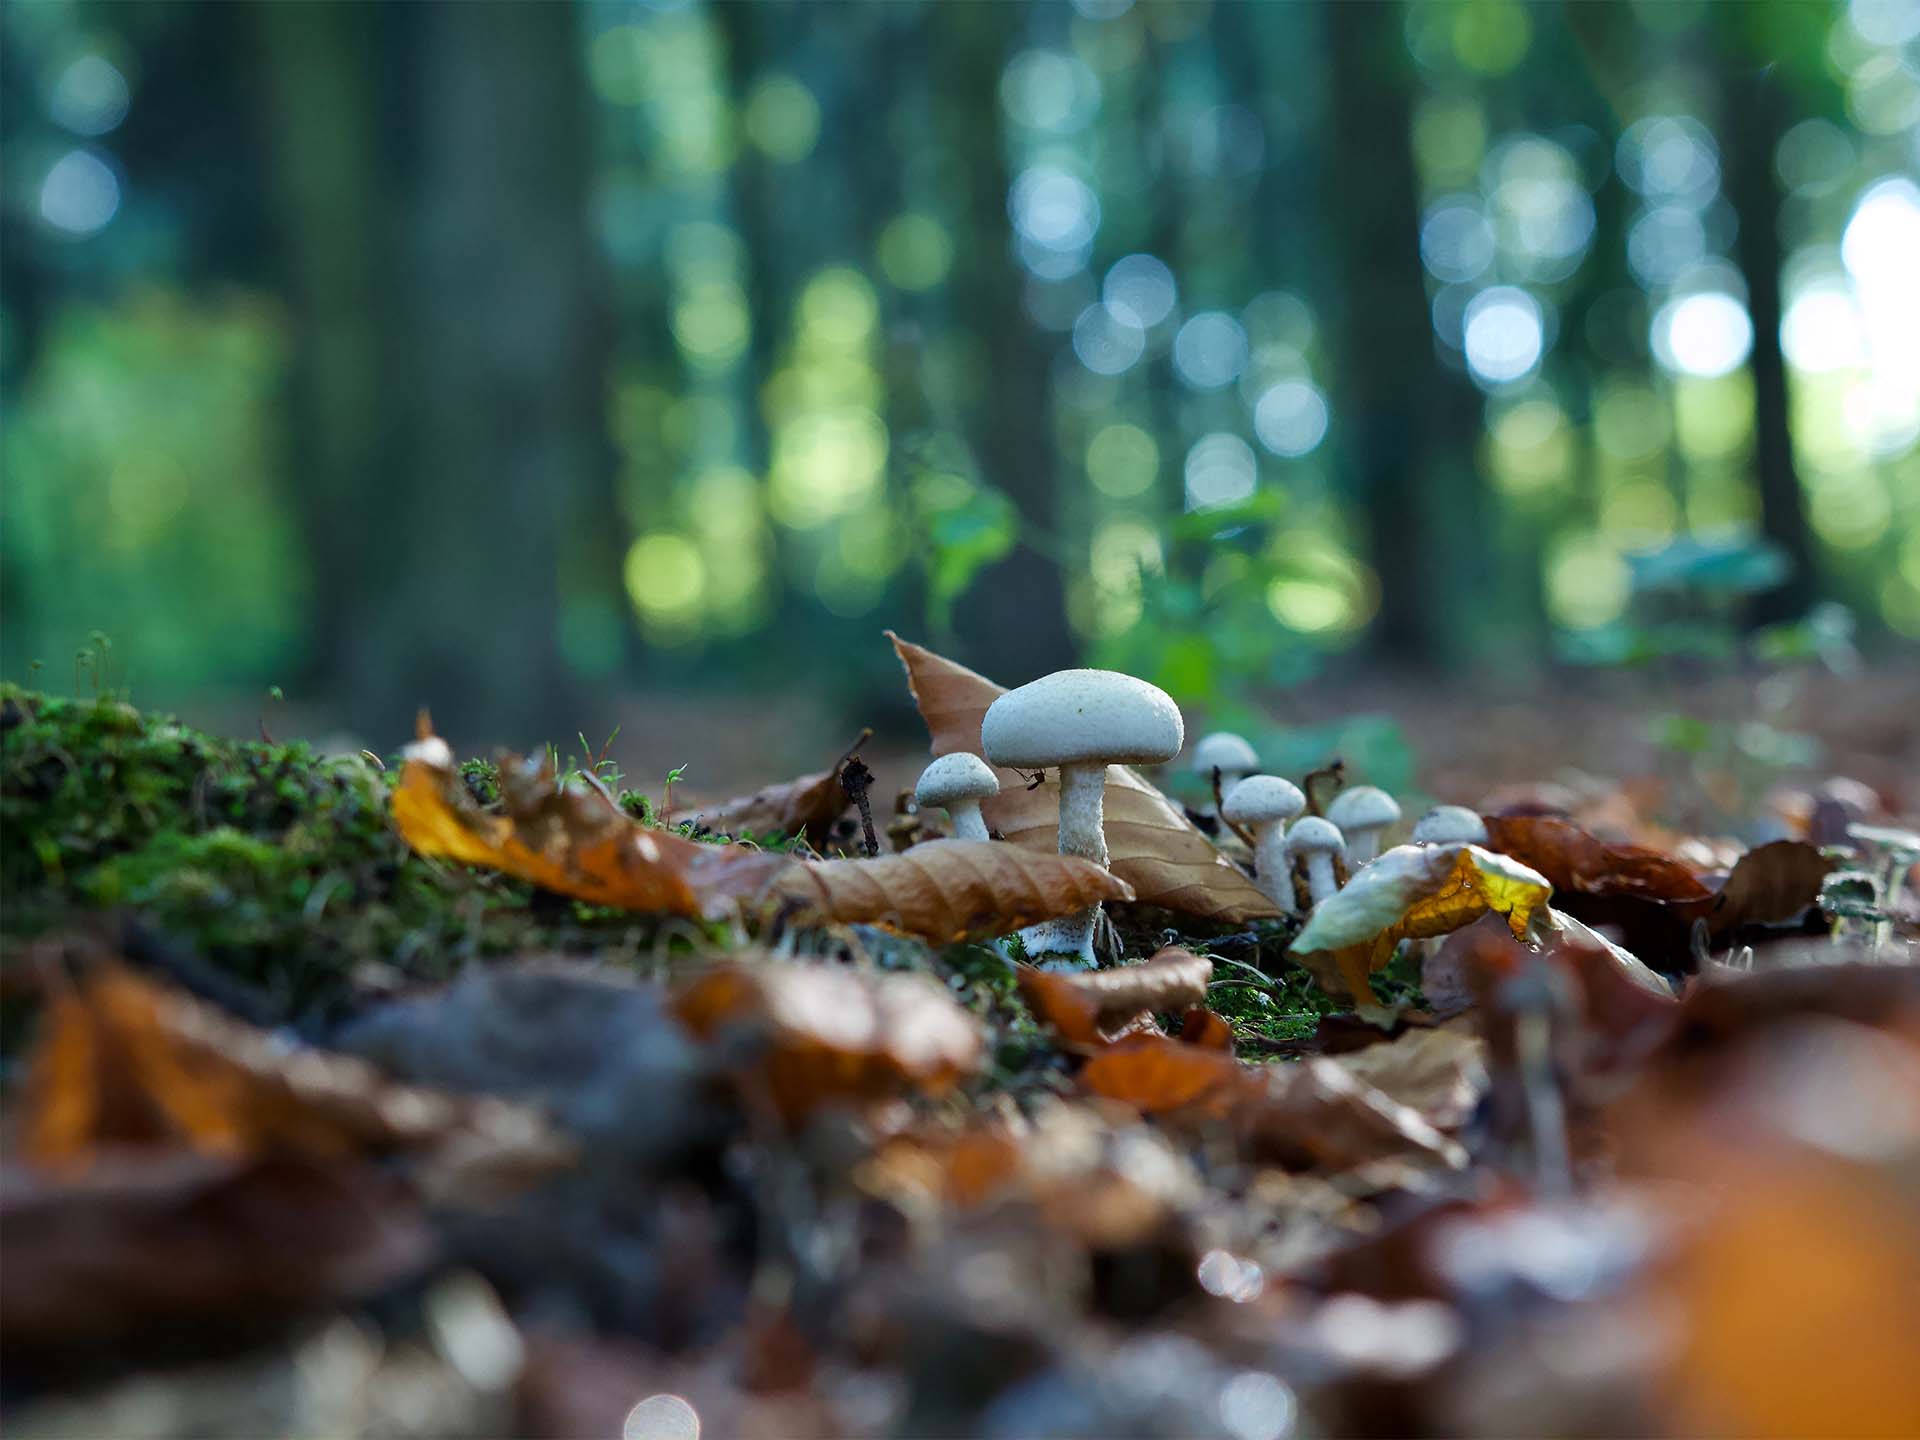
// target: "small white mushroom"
[[1081, 721], [1267, 802], [958, 783], [1362, 813], [1447, 824], [1317, 841], [1227, 753]]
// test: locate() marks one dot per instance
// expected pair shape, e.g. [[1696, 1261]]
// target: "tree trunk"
[[1761, 103], [1406, 427], [1013, 621], [451, 389]]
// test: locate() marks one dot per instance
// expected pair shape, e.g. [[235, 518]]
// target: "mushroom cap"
[[959, 776], [1261, 798], [1364, 807], [1445, 824], [1225, 752], [1082, 717], [1312, 836]]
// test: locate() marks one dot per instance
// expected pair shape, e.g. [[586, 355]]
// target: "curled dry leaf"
[[949, 890], [1151, 843], [818, 1035], [1412, 892], [123, 1062], [570, 839], [1312, 1114], [1441, 1072], [806, 807], [1770, 885], [1096, 1007]]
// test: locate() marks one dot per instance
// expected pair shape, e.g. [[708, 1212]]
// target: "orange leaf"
[[570, 840], [827, 1034], [123, 1062], [1652, 897], [1151, 843], [1156, 1075], [1095, 1007], [950, 890]]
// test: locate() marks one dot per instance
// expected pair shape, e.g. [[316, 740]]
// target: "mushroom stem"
[[1083, 791], [1272, 867], [1320, 881], [1363, 844], [968, 823]]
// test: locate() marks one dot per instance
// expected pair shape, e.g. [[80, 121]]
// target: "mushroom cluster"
[[1080, 722]]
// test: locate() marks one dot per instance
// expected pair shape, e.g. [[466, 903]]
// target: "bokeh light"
[[80, 193], [1504, 335], [1705, 334]]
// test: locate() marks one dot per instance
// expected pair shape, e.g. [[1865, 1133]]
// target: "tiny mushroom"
[[1227, 753], [1448, 824], [1362, 813], [958, 783], [1081, 721], [1267, 802], [1317, 841]]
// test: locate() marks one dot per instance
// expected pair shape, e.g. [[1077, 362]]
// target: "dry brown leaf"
[[950, 890], [1312, 1114], [1440, 1072], [806, 807], [827, 1034], [1151, 843], [570, 840], [123, 1062], [1652, 897], [1770, 885], [1096, 1007]]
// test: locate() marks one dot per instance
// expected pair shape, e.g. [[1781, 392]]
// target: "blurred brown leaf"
[[1096, 1007], [191, 1251], [1311, 1114], [122, 1062], [949, 890], [1151, 843], [571, 840], [1439, 1072], [806, 807], [812, 1035], [1770, 885]]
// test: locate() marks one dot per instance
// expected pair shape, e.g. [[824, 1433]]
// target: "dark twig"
[[1335, 770], [855, 777], [1220, 809]]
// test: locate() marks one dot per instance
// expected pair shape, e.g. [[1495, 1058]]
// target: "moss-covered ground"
[[279, 868]]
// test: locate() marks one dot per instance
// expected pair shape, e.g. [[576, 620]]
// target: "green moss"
[[277, 863]]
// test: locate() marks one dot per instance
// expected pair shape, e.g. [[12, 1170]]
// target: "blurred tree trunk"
[[1761, 104], [1407, 427], [1013, 621], [453, 373]]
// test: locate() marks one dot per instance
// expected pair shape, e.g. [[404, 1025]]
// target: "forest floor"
[[369, 1094]]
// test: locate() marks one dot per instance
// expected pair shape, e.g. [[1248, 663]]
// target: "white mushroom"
[[1445, 824], [1266, 802], [1317, 841], [1081, 721], [1362, 813], [1227, 753], [958, 783]]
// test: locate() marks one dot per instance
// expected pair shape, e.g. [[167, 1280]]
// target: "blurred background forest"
[[513, 357]]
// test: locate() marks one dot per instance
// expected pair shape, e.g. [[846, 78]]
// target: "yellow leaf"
[[572, 841], [1151, 843], [1412, 892]]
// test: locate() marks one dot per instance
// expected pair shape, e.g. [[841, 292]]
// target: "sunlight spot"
[[1504, 335], [1706, 334]]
